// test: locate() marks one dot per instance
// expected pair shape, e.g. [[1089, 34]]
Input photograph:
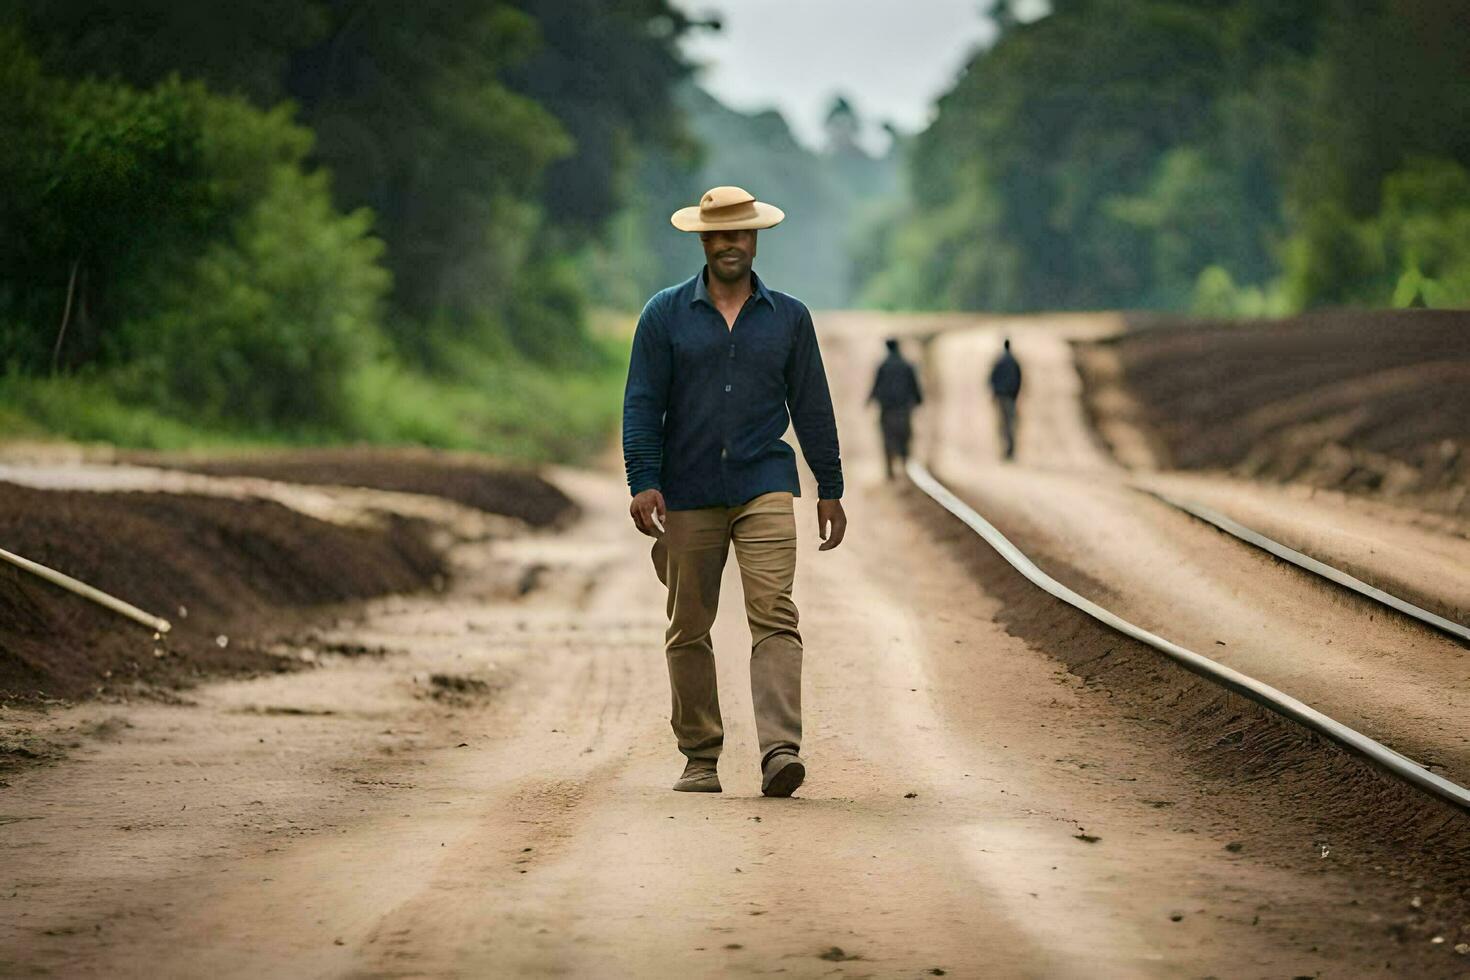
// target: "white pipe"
[[87, 592]]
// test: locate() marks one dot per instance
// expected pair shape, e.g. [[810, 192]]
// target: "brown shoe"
[[782, 774], [699, 777]]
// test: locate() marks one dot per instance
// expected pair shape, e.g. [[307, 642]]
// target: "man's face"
[[728, 253]]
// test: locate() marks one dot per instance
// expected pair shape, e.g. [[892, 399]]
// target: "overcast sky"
[[890, 57]]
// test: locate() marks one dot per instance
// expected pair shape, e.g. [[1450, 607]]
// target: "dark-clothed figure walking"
[[721, 364], [1005, 385], [897, 393]]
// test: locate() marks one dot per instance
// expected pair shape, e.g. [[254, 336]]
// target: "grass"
[[509, 408], [506, 409]]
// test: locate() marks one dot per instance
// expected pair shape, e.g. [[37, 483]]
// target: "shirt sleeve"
[[918, 391], [645, 400], [810, 403]]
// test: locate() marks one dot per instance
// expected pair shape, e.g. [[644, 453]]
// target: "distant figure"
[[1005, 385], [896, 390]]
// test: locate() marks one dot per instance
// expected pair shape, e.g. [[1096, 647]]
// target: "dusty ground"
[[489, 798], [1372, 403]]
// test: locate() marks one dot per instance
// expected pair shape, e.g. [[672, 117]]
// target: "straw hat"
[[727, 209]]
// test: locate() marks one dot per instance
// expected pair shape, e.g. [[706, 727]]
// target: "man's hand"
[[648, 512], [831, 523]]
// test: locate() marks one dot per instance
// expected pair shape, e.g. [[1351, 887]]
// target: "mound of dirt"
[[466, 478], [245, 570], [1365, 402]]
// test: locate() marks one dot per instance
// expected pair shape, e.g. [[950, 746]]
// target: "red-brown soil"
[[242, 569], [462, 477], [1366, 402], [250, 570]]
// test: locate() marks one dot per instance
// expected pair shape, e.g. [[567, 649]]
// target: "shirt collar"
[[701, 289]]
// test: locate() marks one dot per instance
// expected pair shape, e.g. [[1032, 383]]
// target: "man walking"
[[720, 365], [1005, 385], [896, 390]]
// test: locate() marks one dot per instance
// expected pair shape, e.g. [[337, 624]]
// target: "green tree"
[[490, 138], [415, 122], [242, 48], [99, 178], [608, 72], [177, 238], [1189, 217], [1175, 152], [270, 321], [1041, 131], [1391, 85]]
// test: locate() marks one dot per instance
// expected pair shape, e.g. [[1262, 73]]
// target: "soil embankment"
[[465, 478], [236, 577], [1370, 403]]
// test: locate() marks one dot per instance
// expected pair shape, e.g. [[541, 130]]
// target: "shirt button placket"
[[725, 423]]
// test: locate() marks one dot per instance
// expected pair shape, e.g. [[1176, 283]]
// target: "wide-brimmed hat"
[[727, 209]]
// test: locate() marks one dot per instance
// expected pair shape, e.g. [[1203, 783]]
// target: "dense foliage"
[[173, 235], [329, 218], [1234, 156], [240, 214]]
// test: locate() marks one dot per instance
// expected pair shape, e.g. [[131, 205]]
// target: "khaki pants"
[[689, 558]]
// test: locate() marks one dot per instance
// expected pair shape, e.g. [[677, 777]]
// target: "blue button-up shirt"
[[706, 405]]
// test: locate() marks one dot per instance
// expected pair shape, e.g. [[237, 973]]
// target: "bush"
[[98, 179], [505, 406], [264, 324], [1425, 233], [206, 270], [267, 325], [1216, 295], [1414, 251], [548, 309]]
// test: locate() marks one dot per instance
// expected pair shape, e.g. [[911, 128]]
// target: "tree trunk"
[[71, 287]]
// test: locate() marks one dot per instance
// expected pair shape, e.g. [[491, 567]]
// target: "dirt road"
[[491, 797]]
